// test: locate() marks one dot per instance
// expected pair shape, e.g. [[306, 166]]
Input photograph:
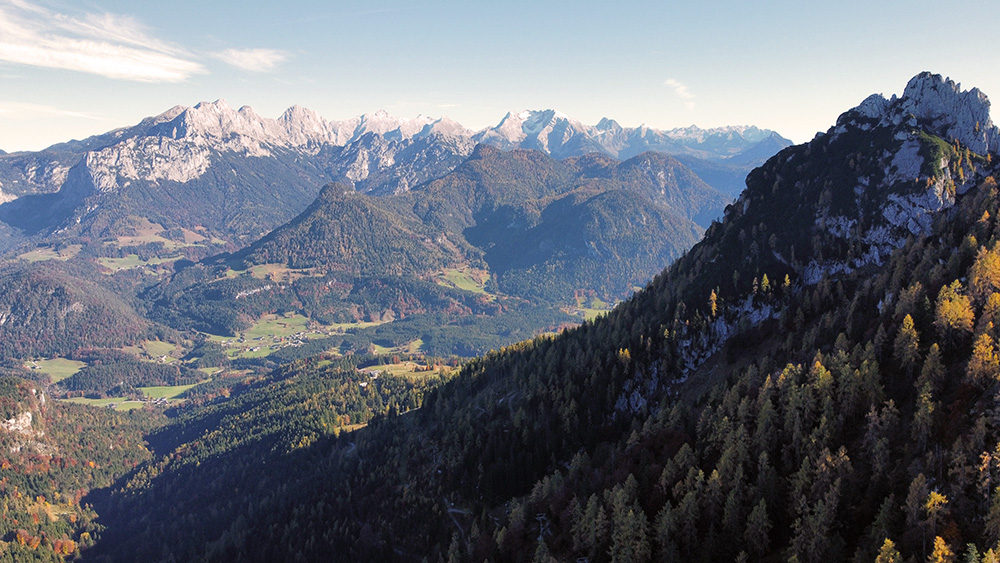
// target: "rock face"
[[930, 105], [939, 104], [20, 424], [178, 144], [881, 175]]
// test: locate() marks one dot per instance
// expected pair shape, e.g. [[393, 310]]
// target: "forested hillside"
[[49, 308], [539, 234], [51, 455]]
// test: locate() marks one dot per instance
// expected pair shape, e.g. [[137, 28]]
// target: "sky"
[[69, 70]]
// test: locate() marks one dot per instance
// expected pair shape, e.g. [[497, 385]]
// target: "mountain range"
[[541, 229], [239, 174], [408, 203]]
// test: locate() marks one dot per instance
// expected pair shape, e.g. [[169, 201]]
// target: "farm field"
[[50, 253], [465, 279], [166, 391], [276, 272], [589, 308], [132, 261], [412, 347], [154, 350], [147, 232], [56, 368], [118, 403], [408, 369]]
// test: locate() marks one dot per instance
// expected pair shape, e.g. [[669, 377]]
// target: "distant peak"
[[298, 112], [220, 105]]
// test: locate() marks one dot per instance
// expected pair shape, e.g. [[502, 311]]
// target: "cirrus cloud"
[[108, 45], [253, 60], [682, 92]]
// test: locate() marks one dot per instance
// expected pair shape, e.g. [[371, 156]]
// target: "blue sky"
[[73, 69]]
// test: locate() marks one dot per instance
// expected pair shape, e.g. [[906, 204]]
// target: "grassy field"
[[412, 347], [133, 261], [165, 392], [158, 348], [120, 403], [123, 404], [56, 368], [147, 231], [589, 308], [411, 370], [50, 253], [154, 350], [464, 279], [277, 272]]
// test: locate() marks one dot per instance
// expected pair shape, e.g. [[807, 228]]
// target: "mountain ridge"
[[191, 165]]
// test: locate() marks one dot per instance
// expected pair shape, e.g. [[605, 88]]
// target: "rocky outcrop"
[[938, 104], [907, 178], [20, 424]]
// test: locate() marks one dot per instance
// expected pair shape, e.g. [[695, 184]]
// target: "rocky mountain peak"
[[964, 115], [447, 127], [218, 120], [880, 176], [940, 105], [606, 124]]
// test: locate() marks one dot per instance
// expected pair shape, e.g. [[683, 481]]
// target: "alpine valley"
[[293, 307], [208, 222]]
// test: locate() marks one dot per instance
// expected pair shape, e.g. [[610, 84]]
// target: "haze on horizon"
[[71, 72]]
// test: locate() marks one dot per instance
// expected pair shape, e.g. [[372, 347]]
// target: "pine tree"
[[992, 526], [923, 418], [971, 554], [758, 529], [935, 506], [932, 373]]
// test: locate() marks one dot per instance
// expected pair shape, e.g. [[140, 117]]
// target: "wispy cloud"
[[108, 45], [253, 60], [682, 92], [26, 111]]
